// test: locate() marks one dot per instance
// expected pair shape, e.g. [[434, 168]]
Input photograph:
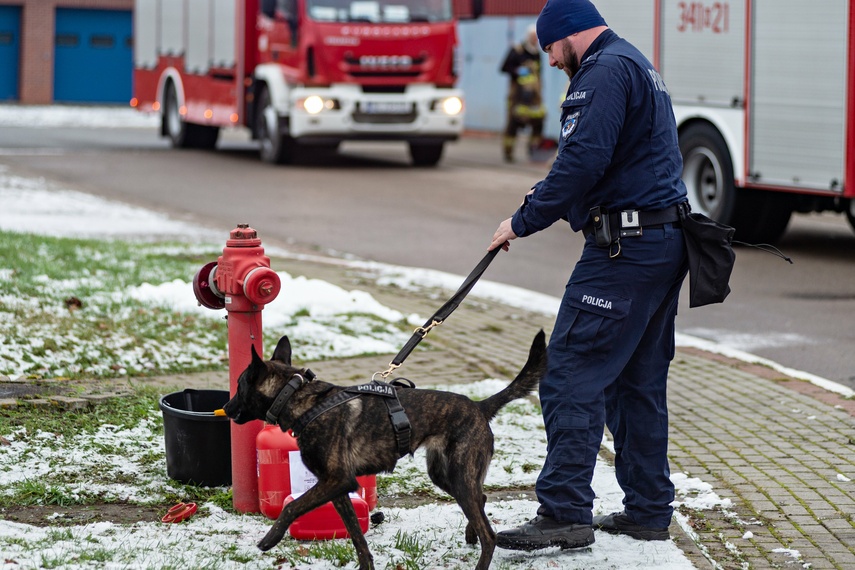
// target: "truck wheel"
[[276, 147], [426, 154], [708, 174], [181, 133], [770, 213]]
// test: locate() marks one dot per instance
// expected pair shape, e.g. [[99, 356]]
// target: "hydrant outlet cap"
[[204, 288], [261, 285]]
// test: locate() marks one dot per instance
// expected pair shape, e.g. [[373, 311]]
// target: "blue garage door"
[[10, 39], [93, 56]]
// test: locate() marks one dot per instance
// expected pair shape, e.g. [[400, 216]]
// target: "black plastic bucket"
[[198, 443]]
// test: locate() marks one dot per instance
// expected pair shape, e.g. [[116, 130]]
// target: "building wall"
[[35, 83], [484, 43]]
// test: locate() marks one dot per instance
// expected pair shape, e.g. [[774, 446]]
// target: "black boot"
[[620, 523], [543, 532], [508, 148]]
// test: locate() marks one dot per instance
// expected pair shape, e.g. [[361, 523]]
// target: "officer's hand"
[[502, 237]]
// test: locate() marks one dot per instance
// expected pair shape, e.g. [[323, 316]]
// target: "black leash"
[[443, 313], [389, 391]]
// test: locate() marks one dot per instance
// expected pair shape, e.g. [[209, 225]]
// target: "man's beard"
[[571, 60]]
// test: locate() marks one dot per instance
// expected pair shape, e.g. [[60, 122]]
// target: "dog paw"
[[268, 542]]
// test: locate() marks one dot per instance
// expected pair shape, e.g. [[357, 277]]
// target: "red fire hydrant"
[[242, 282]]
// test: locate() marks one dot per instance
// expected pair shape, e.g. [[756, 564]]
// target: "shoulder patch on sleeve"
[[571, 121]]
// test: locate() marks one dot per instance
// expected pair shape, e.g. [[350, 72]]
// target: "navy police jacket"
[[618, 144]]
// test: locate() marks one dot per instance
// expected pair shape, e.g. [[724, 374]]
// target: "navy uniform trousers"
[[608, 364]]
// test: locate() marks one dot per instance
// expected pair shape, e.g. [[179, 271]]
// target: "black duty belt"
[[628, 223], [389, 393]]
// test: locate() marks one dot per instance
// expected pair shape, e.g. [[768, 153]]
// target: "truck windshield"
[[376, 11]]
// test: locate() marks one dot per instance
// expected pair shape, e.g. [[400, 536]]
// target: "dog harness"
[[389, 393]]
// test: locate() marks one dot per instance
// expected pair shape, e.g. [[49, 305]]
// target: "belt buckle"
[[630, 223], [400, 421]]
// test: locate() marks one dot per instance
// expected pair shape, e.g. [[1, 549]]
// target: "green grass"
[[126, 412], [136, 408], [68, 314], [30, 492], [414, 547], [67, 310], [37, 258]]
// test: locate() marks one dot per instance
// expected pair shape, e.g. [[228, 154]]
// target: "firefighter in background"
[[525, 100]]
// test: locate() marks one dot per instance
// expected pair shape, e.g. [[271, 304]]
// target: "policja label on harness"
[[377, 389]]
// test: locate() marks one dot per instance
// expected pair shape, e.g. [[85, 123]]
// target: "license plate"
[[386, 107]]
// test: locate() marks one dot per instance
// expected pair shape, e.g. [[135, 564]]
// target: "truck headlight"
[[314, 104], [450, 105]]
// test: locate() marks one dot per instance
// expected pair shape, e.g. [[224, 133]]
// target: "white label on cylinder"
[[301, 478]]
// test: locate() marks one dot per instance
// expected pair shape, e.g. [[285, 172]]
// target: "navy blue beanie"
[[562, 18]]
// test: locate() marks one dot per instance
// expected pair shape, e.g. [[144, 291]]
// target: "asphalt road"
[[368, 202]]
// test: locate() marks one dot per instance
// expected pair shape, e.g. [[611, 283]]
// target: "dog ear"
[[257, 368], [283, 351]]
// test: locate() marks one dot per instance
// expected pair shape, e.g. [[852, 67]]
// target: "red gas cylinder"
[[276, 451], [324, 523], [368, 490], [274, 476]]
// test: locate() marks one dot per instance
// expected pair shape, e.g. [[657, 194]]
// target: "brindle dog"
[[357, 438]]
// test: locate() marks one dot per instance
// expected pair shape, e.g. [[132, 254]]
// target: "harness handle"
[[439, 317]]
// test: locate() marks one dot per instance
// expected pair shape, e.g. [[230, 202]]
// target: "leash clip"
[[423, 331], [387, 373]]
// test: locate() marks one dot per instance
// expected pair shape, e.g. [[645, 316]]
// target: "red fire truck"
[[764, 96], [301, 73]]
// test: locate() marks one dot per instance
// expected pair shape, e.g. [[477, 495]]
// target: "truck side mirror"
[[476, 9], [268, 8], [294, 26]]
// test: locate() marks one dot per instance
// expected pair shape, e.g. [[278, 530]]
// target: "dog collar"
[[295, 383]]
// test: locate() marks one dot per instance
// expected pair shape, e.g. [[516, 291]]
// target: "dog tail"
[[525, 382]]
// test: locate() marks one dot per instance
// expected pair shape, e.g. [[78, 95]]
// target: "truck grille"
[[384, 66], [381, 118], [364, 74]]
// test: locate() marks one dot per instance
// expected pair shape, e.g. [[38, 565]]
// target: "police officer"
[[525, 101], [617, 179]]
